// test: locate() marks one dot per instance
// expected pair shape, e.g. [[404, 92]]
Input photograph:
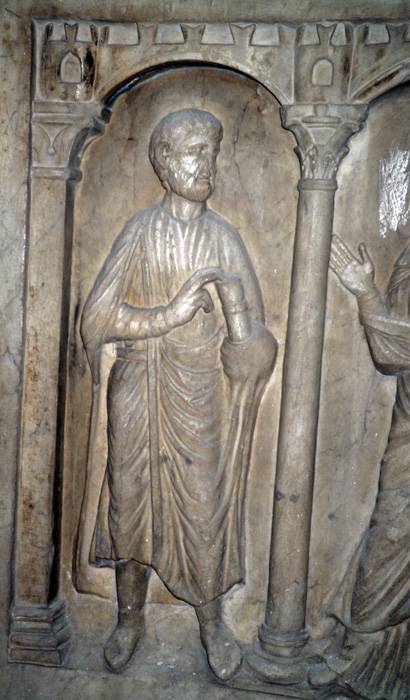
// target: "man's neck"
[[181, 208]]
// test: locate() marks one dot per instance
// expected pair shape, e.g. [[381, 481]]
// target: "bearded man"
[[182, 398]]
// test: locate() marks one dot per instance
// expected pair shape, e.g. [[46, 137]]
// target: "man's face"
[[191, 166]]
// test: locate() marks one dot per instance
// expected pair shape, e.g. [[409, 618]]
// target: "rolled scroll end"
[[235, 308]]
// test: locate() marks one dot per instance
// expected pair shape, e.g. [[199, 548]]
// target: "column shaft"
[[38, 632], [299, 409], [321, 132], [34, 545], [60, 134]]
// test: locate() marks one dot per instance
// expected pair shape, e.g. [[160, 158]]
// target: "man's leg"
[[224, 654], [132, 583]]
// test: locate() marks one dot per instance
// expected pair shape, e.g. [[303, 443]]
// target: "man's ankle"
[[127, 616], [209, 613]]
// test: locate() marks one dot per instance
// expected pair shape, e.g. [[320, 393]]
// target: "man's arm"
[[253, 359], [357, 275], [131, 323], [235, 259]]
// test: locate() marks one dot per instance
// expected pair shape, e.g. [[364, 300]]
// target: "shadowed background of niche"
[[256, 191]]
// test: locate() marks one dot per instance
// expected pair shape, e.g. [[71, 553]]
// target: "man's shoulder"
[[226, 232], [143, 216], [219, 222], [136, 225], [132, 230]]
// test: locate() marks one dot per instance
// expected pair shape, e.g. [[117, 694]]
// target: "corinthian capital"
[[322, 132]]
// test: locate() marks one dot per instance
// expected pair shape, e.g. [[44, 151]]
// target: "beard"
[[194, 187]]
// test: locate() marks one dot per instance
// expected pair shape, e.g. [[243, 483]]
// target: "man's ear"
[[162, 152]]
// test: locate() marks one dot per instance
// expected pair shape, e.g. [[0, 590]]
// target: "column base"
[[39, 635], [246, 681], [285, 659], [283, 670], [302, 691], [283, 644]]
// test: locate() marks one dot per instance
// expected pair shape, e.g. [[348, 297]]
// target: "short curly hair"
[[189, 119]]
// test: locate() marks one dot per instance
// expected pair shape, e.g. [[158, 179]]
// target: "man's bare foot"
[[224, 654], [122, 643]]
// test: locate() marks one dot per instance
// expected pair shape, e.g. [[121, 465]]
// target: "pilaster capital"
[[60, 133], [322, 132]]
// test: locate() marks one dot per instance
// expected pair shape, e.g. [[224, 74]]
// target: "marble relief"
[[372, 603], [179, 434], [205, 406], [92, 244]]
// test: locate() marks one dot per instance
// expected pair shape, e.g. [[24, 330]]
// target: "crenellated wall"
[[309, 84]]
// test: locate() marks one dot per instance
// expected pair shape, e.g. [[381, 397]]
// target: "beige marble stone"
[[244, 109], [63, 202]]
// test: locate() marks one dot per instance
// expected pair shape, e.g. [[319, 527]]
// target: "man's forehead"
[[192, 137]]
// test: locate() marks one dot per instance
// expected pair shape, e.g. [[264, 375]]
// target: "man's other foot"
[[224, 654], [122, 643]]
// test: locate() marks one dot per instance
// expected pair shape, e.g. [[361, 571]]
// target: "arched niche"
[[256, 186], [110, 88], [61, 131]]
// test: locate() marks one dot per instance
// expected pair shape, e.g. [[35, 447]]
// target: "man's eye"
[[196, 150]]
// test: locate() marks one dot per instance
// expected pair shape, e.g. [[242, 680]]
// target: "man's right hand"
[[192, 297], [356, 275]]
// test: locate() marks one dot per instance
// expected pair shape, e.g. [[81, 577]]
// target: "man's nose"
[[207, 165]]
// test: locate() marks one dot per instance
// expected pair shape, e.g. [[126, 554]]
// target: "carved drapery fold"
[[79, 65]]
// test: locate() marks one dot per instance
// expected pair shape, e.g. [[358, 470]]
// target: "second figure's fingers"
[[364, 254], [339, 255], [336, 266], [342, 248], [338, 261]]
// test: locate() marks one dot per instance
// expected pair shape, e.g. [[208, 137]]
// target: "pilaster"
[[60, 132]]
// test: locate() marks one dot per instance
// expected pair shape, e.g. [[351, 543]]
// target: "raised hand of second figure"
[[356, 274]]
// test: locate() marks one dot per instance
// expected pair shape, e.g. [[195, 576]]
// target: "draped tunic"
[[178, 443], [374, 599]]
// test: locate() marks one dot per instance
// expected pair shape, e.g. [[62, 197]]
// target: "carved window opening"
[[322, 72], [70, 69]]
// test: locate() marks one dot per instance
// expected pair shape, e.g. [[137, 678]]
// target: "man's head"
[[183, 150]]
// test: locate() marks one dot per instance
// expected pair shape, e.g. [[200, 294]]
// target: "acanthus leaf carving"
[[322, 132]]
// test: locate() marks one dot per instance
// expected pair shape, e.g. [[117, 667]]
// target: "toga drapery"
[[374, 600], [178, 442]]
